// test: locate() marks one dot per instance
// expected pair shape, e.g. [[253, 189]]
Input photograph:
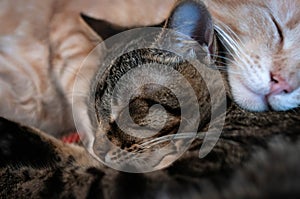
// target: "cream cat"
[[42, 45], [40, 54], [262, 38]]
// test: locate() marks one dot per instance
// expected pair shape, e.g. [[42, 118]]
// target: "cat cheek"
[[245, 98]]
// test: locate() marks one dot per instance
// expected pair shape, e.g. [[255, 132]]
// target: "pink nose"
[[279, 85]]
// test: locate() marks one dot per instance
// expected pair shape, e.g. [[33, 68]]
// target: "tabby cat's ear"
[[105, 29], [192, 18], [102, 28]]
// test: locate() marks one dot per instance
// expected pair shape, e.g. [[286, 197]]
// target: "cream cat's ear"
[[192, 18]]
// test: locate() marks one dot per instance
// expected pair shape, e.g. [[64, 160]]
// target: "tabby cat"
[[41, 54], [35, 165]]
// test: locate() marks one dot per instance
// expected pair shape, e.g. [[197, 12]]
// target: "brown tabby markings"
[[70, 172], [41, 48]]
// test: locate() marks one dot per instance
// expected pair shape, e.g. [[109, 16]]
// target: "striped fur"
[[42, 45], [36, 165]]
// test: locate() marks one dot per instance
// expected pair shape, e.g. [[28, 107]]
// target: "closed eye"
[[279, 30]]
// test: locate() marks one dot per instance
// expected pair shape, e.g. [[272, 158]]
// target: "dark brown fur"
[[70, 172]]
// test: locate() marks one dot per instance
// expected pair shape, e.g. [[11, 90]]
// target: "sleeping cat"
[[191, 19], [264, 63], [44, 94], [256, 157], [35, 165], [42, 45]]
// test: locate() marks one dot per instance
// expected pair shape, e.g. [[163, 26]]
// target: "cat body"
[[256, 156], [34, 164], [40, 56], [48, 93]]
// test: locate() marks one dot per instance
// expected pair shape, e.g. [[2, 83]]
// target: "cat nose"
[[279, 85]]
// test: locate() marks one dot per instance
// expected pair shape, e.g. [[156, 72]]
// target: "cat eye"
[[279, 30]]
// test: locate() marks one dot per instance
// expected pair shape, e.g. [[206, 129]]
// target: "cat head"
[[140, 101], [262, 38]]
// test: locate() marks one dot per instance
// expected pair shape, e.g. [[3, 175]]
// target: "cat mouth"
[[253, 101]]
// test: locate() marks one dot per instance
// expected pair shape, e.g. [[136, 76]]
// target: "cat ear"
[[106, 29], [103, 28], [192, 18]]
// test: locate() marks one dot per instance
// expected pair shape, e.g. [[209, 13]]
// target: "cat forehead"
[[253, 11], [285, 12], [259, 21]]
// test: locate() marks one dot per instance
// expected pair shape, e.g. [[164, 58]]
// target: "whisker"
[[221, 64], [231, 44], [177, 136], [222, 57]]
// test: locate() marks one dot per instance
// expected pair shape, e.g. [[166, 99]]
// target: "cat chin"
[[250, 101], [246, 98]]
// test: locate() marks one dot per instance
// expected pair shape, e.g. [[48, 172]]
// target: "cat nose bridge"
[[279, 85]]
